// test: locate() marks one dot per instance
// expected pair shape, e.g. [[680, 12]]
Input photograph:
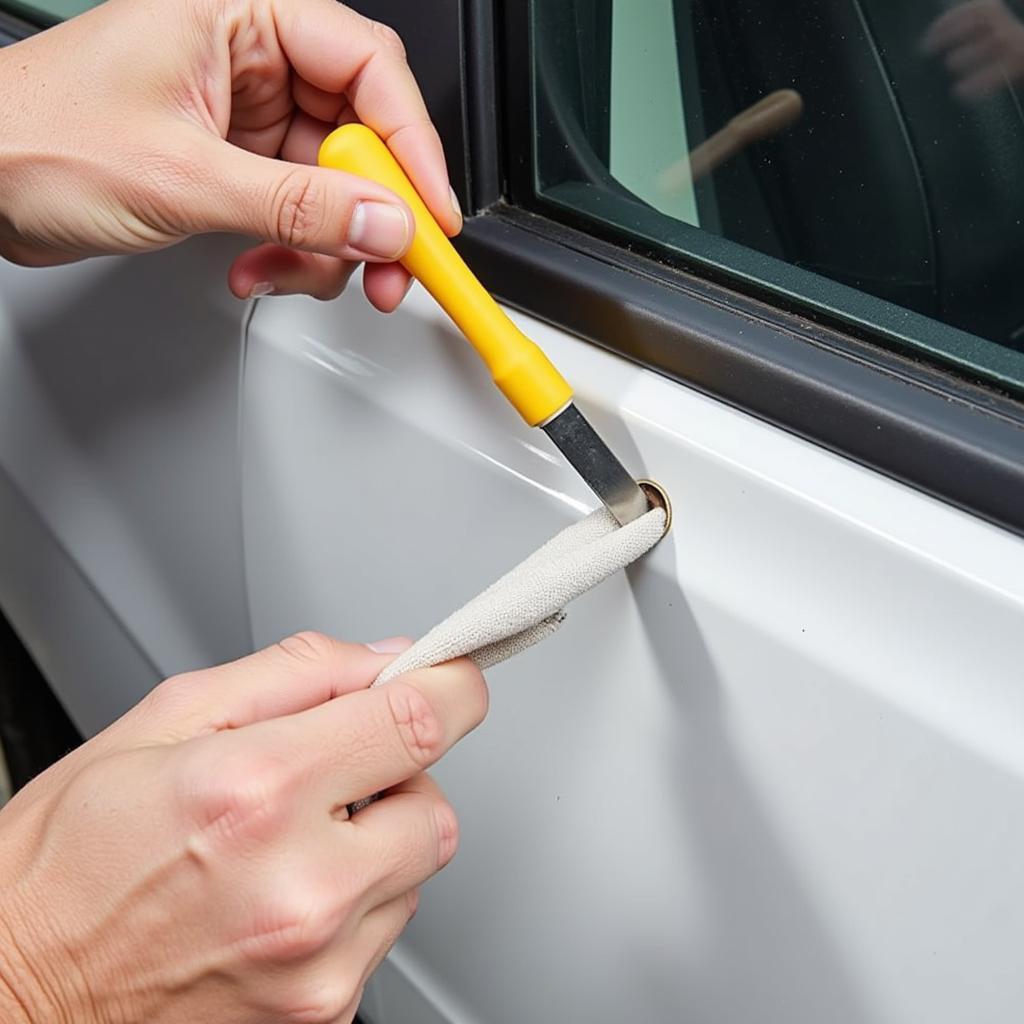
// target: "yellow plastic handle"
[[520, 369]]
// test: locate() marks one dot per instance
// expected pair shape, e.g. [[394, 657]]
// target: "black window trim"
[[910, 420], [948, 439], [589, 205], [915, 421]]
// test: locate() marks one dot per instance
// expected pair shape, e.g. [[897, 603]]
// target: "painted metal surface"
[[119, 470], [773, 773]]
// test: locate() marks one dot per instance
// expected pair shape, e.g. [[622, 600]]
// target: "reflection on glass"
[[981, 43], [876, 145]]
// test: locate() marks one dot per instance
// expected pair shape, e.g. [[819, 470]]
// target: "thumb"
[[301, 206], [301, 672]]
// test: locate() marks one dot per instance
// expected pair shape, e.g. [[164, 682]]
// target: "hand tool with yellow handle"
[[520, 369]]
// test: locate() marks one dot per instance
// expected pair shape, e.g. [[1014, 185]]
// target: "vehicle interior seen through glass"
[[862, 156]]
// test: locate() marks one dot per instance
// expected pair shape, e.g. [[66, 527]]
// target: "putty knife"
[[525, 375]]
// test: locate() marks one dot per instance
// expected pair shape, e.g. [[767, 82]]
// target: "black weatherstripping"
[[919, 426], [911, 421], [901, 415]]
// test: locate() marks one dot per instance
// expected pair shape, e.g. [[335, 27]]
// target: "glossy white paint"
[[120, 552], [774, 773]]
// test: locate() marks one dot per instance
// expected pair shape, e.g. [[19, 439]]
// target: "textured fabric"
[[527, 604]]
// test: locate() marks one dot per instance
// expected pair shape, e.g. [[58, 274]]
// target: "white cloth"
[[527, 604]]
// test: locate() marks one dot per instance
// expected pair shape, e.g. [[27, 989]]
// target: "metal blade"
[[594, 461]]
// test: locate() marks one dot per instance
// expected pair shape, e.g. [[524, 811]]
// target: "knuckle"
[[320, 1003], [171, 698], [388, 38], [307, 647], [417, 724], [246, 794], [297, 209], [297, 920]]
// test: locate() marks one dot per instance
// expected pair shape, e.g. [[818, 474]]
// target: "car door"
[[772, 772]]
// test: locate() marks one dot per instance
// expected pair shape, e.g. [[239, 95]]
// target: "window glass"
[[645, 137], [865, 156], [51, 9]]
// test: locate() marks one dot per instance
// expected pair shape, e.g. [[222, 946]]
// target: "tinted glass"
[[50, 9], [866, 156]]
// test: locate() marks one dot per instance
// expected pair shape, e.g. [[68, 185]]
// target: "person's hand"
[[196, 862], [982, 45], [142, 122]]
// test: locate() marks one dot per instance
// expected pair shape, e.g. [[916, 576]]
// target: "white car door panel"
[[771, 772], [118, 429], [774, 771]]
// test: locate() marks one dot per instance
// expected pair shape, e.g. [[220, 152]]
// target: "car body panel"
[[771, 772], [119, 431]]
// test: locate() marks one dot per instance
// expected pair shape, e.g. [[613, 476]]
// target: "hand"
[[196, 862], [982, 43], [142, 122]]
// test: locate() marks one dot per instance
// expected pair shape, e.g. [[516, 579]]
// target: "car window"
[[862, 157], [51, 10]]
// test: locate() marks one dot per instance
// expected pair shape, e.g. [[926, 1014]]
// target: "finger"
[[386, 284], [27, 255], [319, 103], [327, 985], [971, 57], [956, 26], [305, 135], [371, 740], [984, 82], [407, 836], [339, 975], [315, 209], [274, 270], [381, 929], [339, 51], [301, 672]]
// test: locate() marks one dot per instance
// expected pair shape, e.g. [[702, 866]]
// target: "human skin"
[[142, 122], [981, 43], [196, 862]]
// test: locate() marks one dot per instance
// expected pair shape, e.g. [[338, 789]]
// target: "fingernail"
[[379, 229], [455, 203], [261, 288], [393, 645]]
